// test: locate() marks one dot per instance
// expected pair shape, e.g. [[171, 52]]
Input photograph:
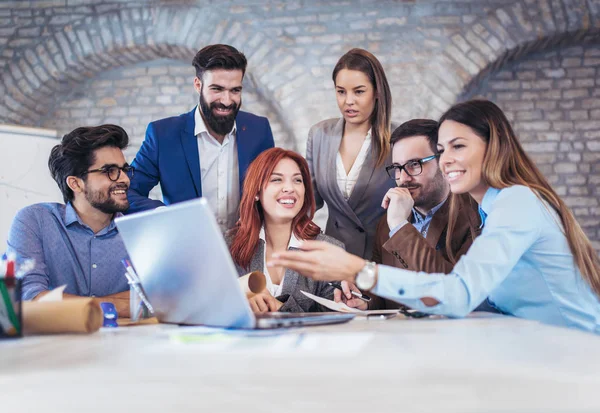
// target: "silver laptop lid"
[[185, 267]]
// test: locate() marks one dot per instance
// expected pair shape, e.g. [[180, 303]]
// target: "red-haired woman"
[[276, 213]]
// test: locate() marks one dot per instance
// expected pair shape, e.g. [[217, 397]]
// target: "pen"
[[139, 292], [134, 281], [338, 285], [130, 270]]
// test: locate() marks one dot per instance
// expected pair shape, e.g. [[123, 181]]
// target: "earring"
[[256, 198]]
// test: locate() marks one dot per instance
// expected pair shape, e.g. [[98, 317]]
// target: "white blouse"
[[275, 289], [346, 182]]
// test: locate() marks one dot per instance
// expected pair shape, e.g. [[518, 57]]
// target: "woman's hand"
[[345, 296], [321, 261], [264, 303]]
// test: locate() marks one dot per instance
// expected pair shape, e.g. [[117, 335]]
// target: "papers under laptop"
[[188, 275]]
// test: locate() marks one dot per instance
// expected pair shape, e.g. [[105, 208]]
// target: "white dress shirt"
[[275, 289], [346, 181], [219, 172]]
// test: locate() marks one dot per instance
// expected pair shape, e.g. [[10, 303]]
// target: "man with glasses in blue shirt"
[[412, 234], [77, 243]]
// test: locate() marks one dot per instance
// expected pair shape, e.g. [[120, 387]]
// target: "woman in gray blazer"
[[347, 156], [276, 213]]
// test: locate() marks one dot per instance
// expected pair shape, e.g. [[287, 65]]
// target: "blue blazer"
[[169, 156]]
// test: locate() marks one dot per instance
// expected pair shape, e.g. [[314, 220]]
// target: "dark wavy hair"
[[219, 56], [76, 152]]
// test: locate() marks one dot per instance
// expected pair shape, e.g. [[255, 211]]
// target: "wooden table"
[[484, 363]]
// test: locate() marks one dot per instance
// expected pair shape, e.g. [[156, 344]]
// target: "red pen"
[[10, 269]]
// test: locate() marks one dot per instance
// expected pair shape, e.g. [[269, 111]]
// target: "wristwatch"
[[366, 278]]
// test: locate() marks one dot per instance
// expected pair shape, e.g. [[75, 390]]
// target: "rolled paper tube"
[[253, 283], [71, 315]]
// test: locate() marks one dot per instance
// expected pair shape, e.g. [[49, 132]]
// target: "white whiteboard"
[[24, 175]]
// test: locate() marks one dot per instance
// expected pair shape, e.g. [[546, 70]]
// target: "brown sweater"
[[409, 250]]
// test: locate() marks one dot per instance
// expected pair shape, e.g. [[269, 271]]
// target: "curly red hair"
[[245, 233]]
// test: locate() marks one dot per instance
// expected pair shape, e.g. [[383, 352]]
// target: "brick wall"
[[553, 99], [138, 94], [430, 50], [67, 62]]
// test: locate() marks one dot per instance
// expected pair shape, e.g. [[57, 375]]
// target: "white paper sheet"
[[343, 308]]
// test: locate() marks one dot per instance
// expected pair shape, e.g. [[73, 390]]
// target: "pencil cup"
[[11, 320], [137, 308]]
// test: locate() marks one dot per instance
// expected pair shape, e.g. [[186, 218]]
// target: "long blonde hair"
[[505, 164]]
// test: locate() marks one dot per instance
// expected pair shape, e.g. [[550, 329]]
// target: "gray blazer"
[[354, 222], [293, 300]]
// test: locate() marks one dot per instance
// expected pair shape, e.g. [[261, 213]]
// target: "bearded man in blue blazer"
[[203, 153]]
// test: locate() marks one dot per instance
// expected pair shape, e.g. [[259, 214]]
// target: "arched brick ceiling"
[[280, 70], [84, 48], [504, 35]]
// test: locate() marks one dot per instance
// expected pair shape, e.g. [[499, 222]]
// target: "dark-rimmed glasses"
[[413, 167], [113, 172]]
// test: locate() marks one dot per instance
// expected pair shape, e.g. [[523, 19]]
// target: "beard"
[[104, 202], [432, 194], [221, 125]]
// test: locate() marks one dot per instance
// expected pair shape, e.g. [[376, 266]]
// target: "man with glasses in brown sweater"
[[412, 234]]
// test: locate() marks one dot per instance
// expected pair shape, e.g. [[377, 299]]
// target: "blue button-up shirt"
[[420, 222], [521, 260], [66, 251]]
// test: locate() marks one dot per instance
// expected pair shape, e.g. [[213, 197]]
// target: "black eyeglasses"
[[114, 172], [412, 168]]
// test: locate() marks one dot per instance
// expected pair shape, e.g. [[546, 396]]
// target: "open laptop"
[[188, 275]]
